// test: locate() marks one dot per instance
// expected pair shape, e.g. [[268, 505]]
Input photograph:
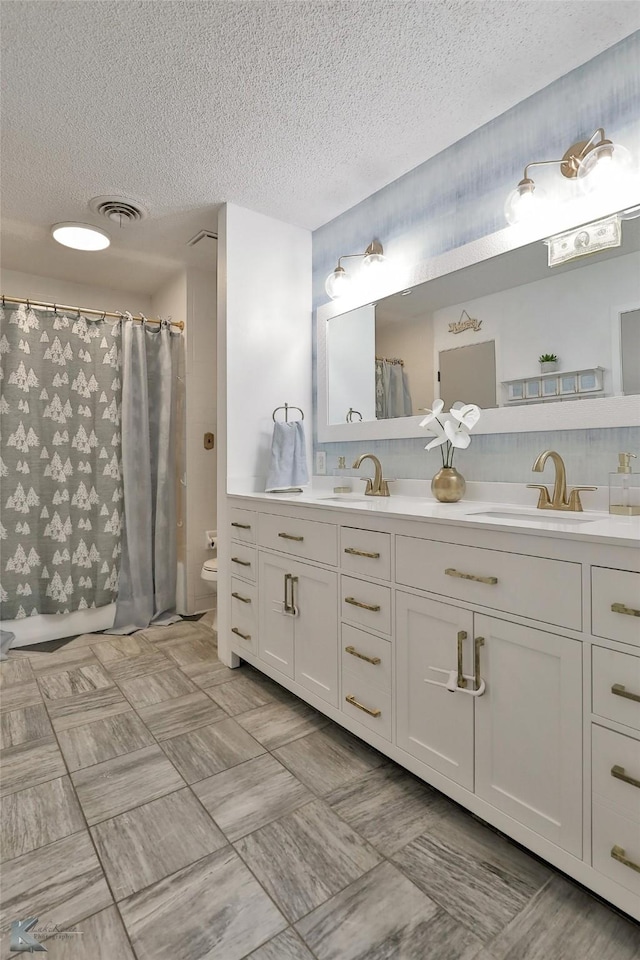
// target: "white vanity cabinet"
[[390, 625]]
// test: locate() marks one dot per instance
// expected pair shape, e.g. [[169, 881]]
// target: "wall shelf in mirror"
[[525, 306]]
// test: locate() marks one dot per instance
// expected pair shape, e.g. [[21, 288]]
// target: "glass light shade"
[[337, 283], [606, 167], [525, 203], [80, 236], [374, 261]]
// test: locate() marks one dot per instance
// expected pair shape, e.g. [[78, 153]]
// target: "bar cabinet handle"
[[618, 854], [462, 636], [450, 572], [478, 643], [289, 536], [619, 773], [238, 596], [618, 690], [356, 703], [361, 553], [374, 607], [362, 656], [241, 526], [620, 608], [245, 636], [243, 563]]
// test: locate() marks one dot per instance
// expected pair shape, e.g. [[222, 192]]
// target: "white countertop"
[[590, 525]]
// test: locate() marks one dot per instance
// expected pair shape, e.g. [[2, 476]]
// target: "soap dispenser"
[[343, 481], [624, 488]]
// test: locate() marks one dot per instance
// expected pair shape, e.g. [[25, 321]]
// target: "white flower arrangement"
[[451, 429]]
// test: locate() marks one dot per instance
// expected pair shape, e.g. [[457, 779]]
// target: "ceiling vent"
[[202, 235], [119, 210]]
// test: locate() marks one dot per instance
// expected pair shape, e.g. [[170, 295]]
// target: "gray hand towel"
[[288, 464]]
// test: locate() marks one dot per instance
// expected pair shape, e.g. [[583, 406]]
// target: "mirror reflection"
[[480, 335]]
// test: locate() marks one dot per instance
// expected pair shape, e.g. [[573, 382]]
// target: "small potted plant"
[[548, 362]]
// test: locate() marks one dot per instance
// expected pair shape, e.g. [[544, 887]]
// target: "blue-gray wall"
[[458, 196]]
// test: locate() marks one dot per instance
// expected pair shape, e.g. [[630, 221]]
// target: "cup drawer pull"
[[620, 608], [361, 553], [374, 607], [243, 563], [245, 636], [619, 690], [618, 854], [356, 703], [362, 656], [241, 526], [619, 773], [238, 596], [290, 536], [450, 572]]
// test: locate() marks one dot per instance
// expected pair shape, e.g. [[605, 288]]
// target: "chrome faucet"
[[376, 487], [558, 500]]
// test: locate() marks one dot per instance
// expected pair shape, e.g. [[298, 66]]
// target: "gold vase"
[[448, 485]]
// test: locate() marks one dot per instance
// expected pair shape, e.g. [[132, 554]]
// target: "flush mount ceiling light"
[[80, 236], [596, 163], [338, 283]]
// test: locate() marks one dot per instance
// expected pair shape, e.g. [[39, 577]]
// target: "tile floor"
[[159, 806]]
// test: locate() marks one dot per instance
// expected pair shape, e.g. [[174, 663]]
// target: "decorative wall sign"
[[459, 326]]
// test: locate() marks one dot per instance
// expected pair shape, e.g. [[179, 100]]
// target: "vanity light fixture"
[[596, 164], [80, 236], [339, 282]]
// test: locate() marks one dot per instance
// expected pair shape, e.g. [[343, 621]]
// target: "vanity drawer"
[[366, 603], [366, 657], [243, 561], [616, 686], [615, 604], [546, 590], [615, 757], [301, 538], [366, 552], [616, 834], [244, 615], [366, 703], [243, 524]]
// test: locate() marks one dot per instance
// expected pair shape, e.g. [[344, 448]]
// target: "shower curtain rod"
[[83, 310]]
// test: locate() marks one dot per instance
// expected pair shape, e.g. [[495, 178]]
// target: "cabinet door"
[[529, 729], [276, 627], [433, 725], [316, 630]]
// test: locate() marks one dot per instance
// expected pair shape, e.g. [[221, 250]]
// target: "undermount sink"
[[546, 516]]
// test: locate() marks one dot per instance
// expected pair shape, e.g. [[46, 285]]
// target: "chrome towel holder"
[[286, 407]]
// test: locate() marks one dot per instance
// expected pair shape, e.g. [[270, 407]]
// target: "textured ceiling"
[[296, 109]]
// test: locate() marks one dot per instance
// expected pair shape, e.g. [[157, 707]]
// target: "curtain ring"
[[28, 304], [3, 300], [104, 315], [55, 309], [78, 311]]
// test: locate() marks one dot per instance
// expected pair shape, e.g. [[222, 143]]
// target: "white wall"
[[15, 284], [351, 352], [411, 341]]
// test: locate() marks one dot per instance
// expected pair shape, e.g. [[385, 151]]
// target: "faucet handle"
[[574, 501], [368, 490], [543, 499]]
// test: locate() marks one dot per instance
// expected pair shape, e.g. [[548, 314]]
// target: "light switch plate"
[[321, 462]]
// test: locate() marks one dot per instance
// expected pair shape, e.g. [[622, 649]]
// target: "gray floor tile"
[[211, 750], [383, 915], [15, 671], [144, 845], [102, 740], [28, 764], [306, 857], [127, 669], [387, 806], [123, 648], [184, 630], [565, 922], [213, 909], [197, 649], [64, 659], [60, 884], [86, 678], [14, 696], [329, 759], [86, 708], [251, 795], [278, 723], [21, 726], [38, 815], [476, 875], [100, 937], [164, 685], [109, 788], [286, 946], [239, 696], [171, 718], [210, 674]]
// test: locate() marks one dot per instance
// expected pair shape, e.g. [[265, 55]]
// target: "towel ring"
[[286, 407], [350, 414]]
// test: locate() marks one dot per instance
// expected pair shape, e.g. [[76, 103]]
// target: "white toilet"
[[209, 573]]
